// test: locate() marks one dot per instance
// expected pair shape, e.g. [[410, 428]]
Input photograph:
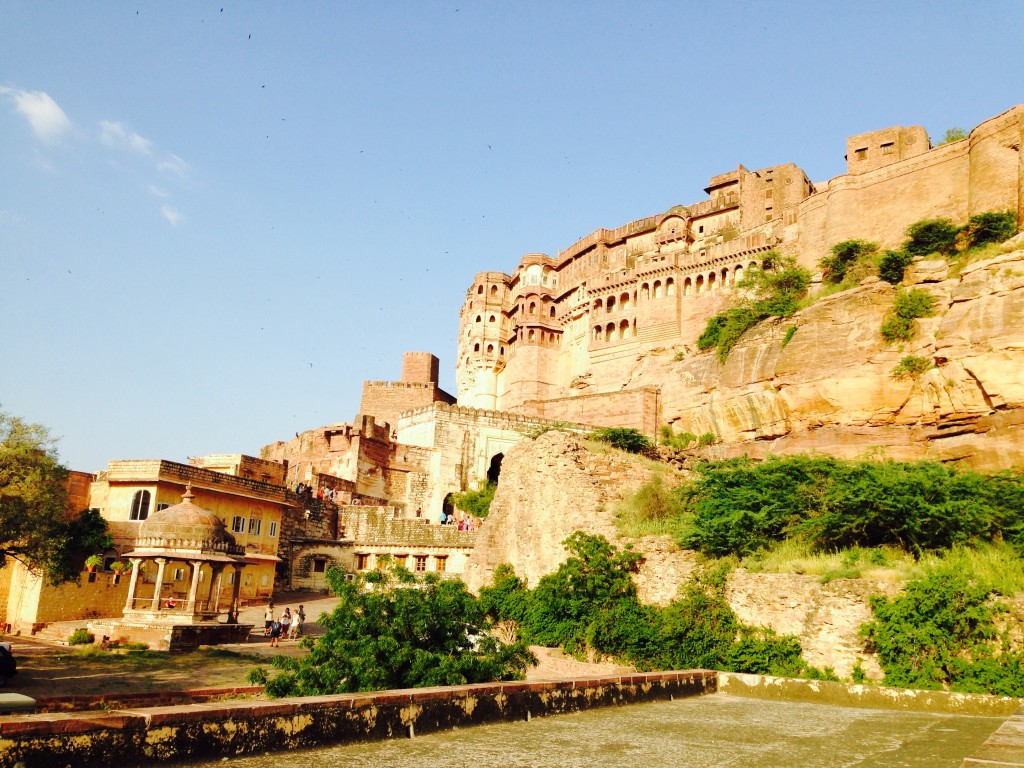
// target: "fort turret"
[[484, 332]]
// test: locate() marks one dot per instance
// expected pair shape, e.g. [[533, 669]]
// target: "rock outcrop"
[[549, 488], [830, 388]]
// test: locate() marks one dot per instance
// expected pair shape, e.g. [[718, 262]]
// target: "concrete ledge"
[[148, 699], [226, 728], [870, 696]]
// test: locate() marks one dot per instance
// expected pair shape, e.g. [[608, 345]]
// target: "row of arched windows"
[[612, 332], [493, 290]]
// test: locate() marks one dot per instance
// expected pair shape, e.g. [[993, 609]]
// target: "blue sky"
[[214, 224]]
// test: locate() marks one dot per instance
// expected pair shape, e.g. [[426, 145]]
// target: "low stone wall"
[[228, 728], [111, 701], [870, 696]]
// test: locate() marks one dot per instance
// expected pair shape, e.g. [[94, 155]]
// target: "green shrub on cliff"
[[931, 236], [851, 258], [893, 265], [625, 439], [908, 305], [740, 507], [774, 290], [991, 227]]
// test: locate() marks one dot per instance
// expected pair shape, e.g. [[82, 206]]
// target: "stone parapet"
[[135, 470], [230, 728]]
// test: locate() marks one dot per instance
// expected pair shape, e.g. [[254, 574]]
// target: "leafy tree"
[[36, 525], [390, 630], [931, 236], [892, 266], [911, 366], [596, 576], [992, 227]]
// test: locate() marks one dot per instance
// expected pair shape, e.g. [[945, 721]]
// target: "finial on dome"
[[187, 495]]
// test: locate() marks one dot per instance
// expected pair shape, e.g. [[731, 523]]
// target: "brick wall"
[[386, 400], [419, 368]]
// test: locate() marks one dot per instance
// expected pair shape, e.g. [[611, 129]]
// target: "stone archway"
[[494, 470]]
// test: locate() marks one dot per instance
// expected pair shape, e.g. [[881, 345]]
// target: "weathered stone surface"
[[549, 488], [830, 388]]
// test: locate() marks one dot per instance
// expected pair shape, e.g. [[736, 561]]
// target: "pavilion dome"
[[186, 526]]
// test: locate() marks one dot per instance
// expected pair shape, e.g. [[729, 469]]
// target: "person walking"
[[268, 618], [298, 619], [286, 623], [275, 633]]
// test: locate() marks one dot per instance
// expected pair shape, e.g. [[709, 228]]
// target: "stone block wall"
[[636, 408]]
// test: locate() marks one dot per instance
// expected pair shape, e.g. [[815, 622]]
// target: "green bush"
[[992, 227], [403, 633], [908, 305], [478, 502], [774, 290], [931, 236], [893, 265], [680, 442], [740, 507], [790, 333], [911, 367], [708, 438], [81, 637], [940, 633], [625, 439], [843, 257]]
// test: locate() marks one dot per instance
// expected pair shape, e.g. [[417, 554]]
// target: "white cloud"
[[116, 135], [174, 166], [45, 117], [155, 191], [173, 215]]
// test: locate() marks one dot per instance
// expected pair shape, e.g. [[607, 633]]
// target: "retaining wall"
[[225, 728]]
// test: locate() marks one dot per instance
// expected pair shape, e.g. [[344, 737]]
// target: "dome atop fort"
[[186, 526]]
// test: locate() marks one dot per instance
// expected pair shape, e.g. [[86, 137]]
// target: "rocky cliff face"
[[549, 487], [830, 389]]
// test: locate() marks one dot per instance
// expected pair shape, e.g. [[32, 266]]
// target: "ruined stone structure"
[[583, 322]]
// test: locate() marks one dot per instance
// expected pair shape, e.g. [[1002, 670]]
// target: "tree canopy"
[[392, 630], [37, 527]]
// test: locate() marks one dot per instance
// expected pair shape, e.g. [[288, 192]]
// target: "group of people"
[[305, 493], [287, 626], [463, 521]]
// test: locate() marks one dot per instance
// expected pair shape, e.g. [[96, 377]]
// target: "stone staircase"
[[58, 632]]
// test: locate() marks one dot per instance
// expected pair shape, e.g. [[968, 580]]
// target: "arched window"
[[532, 335], [533, 307], [610, 304], [480, 289], [490, 349], [634, 327], [645, 292], [476, 347], [624, 301], [597, 333], [598, 305], [552, 311], [656, 290], [494, 290], [687, 286], [700, 284], [501, 351], [623, 329], [140, 506], [490, 319], [737, 273], [479, 319], [670, 287], [711, 281], [609, 331], [725, 277]]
